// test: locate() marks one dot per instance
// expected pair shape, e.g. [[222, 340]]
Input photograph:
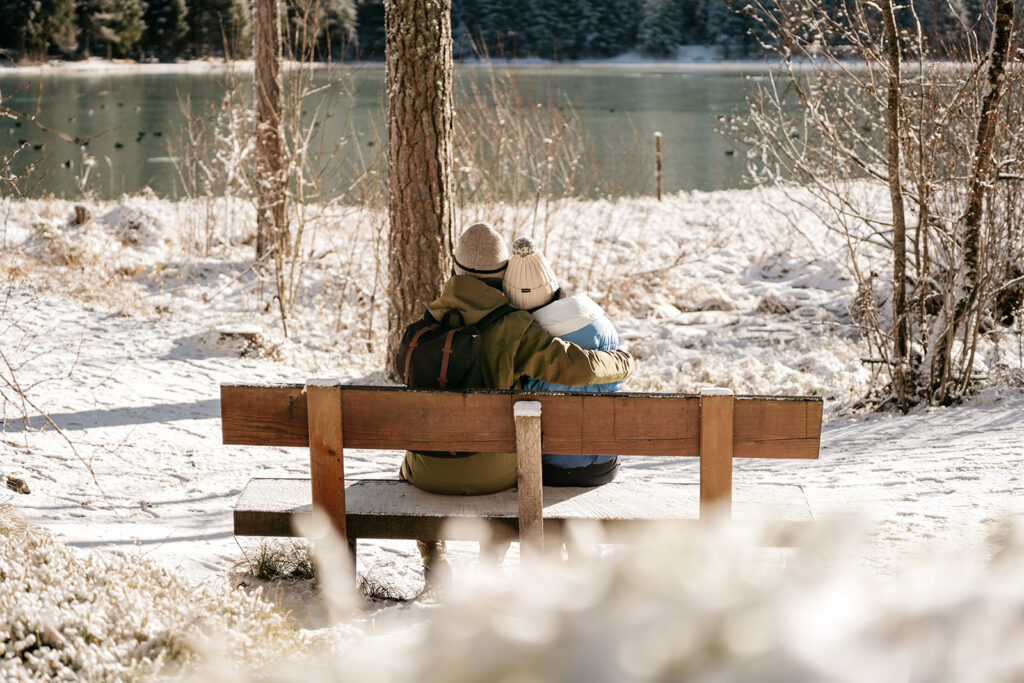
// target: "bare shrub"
[[844, 119]]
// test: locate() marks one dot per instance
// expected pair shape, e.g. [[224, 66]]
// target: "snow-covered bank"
[[112, 330], [103, 617], [697, 57]]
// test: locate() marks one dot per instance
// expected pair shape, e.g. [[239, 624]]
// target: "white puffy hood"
[[568, 315]]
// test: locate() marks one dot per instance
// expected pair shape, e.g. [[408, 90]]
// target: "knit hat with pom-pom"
[[481, 252], [529, 281]]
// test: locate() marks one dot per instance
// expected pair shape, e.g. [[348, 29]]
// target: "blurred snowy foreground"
[[120, 561]]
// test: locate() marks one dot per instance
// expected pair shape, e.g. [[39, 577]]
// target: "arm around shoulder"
[[547, 358]]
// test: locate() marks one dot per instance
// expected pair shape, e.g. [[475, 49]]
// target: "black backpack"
[[445, 353]]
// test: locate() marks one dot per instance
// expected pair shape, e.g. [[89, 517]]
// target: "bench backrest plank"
[[605, 424]]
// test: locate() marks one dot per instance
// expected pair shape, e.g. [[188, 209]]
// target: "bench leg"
[[716, 427], [352, 554], [326, 450], [530, 494]]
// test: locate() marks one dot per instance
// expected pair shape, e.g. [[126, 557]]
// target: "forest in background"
[[169, 30]]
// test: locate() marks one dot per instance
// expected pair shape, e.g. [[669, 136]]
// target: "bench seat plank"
[[387, 508]]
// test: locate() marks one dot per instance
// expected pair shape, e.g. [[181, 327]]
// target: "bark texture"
[[271, 217], [980, 181], [981, 170], [899, 221], [420, 127]]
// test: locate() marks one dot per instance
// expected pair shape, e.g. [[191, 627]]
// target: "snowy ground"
[[111, 331]]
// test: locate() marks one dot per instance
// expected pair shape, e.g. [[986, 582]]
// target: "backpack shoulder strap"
[[494, 316]]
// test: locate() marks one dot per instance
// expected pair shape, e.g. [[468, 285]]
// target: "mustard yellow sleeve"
[[553, 360]]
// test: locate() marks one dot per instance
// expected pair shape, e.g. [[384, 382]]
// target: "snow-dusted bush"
[[693, 605], [100, 617]]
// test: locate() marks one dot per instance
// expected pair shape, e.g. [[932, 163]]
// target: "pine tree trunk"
[[271, 226], [899, 221], [420, 160]]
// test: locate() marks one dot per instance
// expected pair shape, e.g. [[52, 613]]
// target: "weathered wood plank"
[[264, 415], [599, 424], [772, 428], [326, 450], [384, 508], [530, 494], [716, 451]]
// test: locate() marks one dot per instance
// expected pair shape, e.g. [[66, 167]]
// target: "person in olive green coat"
[[513, 347]]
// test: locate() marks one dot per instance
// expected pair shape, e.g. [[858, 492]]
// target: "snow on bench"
[[328, 417], [388, 508]]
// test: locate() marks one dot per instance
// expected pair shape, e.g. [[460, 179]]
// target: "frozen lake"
[[139, 126]]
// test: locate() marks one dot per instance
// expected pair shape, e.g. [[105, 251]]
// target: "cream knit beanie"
[[481, 252], [529, 280]]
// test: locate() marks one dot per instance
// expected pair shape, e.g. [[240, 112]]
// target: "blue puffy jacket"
[[577, 319]]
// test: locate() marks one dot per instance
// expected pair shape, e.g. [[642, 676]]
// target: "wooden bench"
[[328, 417]]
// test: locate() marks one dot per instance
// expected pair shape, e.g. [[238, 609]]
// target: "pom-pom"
[[523, 246]]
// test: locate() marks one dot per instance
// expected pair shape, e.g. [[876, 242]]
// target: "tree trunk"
[[420, 129], [271, 217], [899, 221], [979, 182], [986, 141]]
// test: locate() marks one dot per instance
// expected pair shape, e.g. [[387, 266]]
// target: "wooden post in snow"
[[657, 160]]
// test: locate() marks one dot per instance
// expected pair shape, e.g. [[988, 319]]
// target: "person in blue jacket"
[[530, 284]]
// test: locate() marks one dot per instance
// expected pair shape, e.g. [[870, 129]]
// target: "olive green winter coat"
[[512, 347]]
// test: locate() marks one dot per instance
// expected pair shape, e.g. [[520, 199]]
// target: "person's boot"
[[436, 570], [492, 553]]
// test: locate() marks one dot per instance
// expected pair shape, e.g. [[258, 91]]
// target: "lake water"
[[138, 124]]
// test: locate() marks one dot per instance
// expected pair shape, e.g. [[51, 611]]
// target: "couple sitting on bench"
[[554, 342]]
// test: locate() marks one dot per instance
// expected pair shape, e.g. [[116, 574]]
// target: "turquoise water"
[[136, 127]]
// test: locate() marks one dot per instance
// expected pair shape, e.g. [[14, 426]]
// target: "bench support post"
[[716, 443], [530, 495], [326, 453]]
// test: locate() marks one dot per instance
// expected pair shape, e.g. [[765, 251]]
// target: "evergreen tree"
[[495, 22], [369, 43], [217, 27], [621, 21], [318, 28], [568, 41], [540, 25], [691, 14], [591, 38], [109, 27], [93, 18], [126, 26], [658, 34], [339, 28], [726, 25], [166, 27], [33, 27]]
